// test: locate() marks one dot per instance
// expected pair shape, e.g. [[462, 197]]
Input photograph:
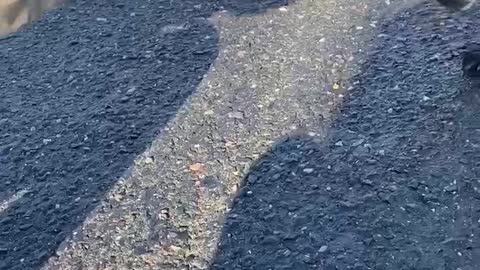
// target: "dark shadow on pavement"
[[394, 185], [83, 92]]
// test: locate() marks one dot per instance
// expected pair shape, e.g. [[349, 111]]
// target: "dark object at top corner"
[[456, 5], [471, 62]]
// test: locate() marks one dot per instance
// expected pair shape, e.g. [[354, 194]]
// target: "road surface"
[[239, 135]]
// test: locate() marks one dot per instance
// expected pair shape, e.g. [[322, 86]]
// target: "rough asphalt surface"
[[126, 127], [396, 184]]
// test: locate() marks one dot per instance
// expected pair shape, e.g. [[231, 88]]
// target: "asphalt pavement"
[[240, 135]]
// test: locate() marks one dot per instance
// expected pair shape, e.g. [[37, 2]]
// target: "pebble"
[[149, 160], [175, 248], [323, 249], [241, 54], [131, 90], [308, 170], [451, 188], [358, 142], [25, 226], [236, 115]]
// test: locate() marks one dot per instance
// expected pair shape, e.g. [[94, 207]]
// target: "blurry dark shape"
[[457, 5], [471, 57], [471, 62], [17, 13]]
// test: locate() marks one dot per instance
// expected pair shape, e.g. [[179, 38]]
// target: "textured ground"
[[342, 130]]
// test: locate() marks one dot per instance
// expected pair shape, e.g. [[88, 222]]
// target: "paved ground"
[[342, 130]]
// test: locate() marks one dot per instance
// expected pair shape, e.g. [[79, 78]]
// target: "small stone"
[[101, 19], [197, 167], [411, 206], [175, 248], [339, 143], [236, 115], [308, 170], [371, 161], [367, 182], [25, 226], [211, 183], [283, 9], [428, 198], [358, 142], [75, 145], [435, 57], [209, 112], [336, 86], [390, 110], [385, 197], [451, 188], [348, 204], [149, 160], [323, 249], [131, 90], [241, 54]]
